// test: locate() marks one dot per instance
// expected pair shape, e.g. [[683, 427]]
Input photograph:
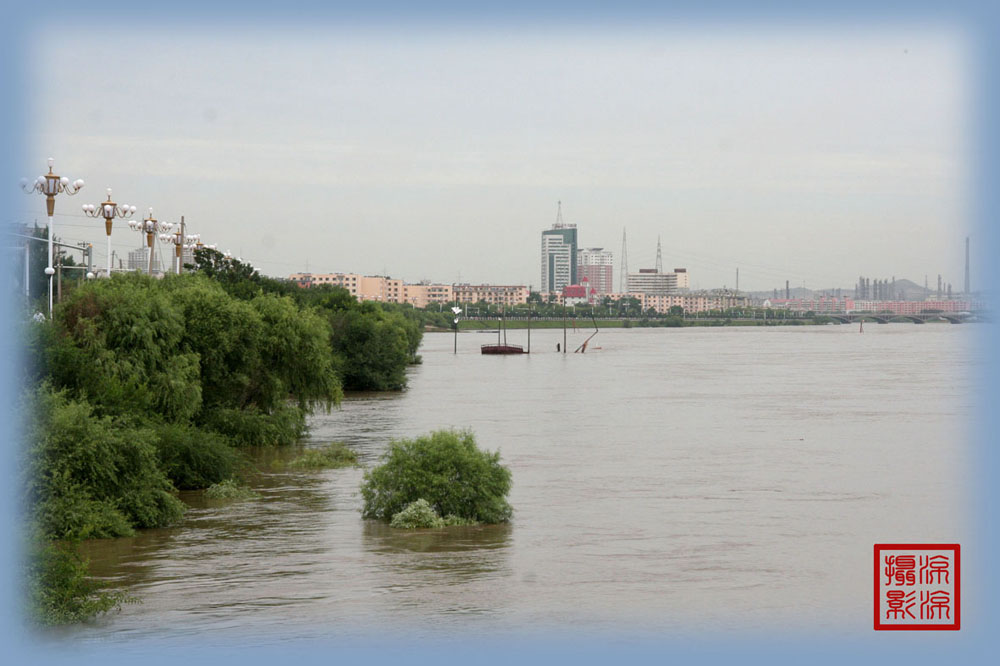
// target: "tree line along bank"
[[138, 387]]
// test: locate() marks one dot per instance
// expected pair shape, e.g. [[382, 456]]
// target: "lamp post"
[[457, 311], [109, 210], [178, 239], [50, 185], [194, 244], [150, 226]]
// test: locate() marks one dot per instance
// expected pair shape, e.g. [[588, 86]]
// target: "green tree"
[[119, 346], [372, 350]]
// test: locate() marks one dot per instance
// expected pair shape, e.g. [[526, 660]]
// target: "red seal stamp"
[[917, 586]]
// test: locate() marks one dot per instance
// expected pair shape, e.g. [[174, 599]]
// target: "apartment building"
[[495, 294]]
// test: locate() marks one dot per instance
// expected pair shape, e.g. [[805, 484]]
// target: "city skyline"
[[811, 157]]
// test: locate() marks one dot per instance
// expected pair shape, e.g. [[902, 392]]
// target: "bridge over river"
[[886, 317]]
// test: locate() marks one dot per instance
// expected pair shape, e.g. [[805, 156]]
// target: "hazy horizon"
[[808, 155]]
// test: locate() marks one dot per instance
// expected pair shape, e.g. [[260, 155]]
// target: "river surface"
[[668, 482]]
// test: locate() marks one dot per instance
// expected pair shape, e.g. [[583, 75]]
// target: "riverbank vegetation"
[[140, 387], [230, 489], [458, 482], [625, 313], [331, 456]]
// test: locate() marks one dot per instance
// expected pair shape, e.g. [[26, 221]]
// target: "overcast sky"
[[440, 153]]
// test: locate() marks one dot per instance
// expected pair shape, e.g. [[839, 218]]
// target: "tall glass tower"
[[558, 255]]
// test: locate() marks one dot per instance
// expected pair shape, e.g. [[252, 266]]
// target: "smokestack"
[[788, 292], [939, 286]]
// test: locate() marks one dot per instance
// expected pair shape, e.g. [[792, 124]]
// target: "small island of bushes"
[[437, 480]]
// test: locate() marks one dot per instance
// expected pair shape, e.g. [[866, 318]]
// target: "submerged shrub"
[[420, 514], [446, 469], [250, 427], [333, 455], [230, 489], [58, 589], [417, 514], [193, 458]]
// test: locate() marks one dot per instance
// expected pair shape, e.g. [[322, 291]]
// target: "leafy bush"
[[445, 468], [420, 514], [230, 489], [415, 515], [334, 455], [58, 589], [194, 458], [251, 427], [90, 476]]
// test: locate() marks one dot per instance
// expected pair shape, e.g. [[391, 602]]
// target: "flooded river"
[[671, 481]]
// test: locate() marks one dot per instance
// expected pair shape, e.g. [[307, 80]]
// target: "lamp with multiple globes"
[[109, 210], [50, 185], [151, 227]]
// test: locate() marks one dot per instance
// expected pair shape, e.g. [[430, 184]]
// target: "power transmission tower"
[[623, 280]]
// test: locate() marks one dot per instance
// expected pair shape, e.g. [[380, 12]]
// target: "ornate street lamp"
[[193, 243], [177, 240], [150, 226], [456, 311], [50, 185], [109, 210]]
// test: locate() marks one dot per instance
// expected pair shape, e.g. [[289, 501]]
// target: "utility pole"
[[564, 328], [180, 259], [59, 264]]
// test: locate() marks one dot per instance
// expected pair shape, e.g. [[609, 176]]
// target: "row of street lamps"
[[51, 184]]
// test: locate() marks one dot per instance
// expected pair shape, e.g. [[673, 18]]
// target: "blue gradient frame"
[[974, 643]]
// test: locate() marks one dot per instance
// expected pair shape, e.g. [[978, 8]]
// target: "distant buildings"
[[596, 266], [420, 295], [579, 294], [651, 282], [138, 260], [493, 294], [690, 302], [362, 287], [559, 257]]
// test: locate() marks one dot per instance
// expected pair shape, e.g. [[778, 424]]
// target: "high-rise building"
[[596, 265], [138, 260], [558, 256]]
